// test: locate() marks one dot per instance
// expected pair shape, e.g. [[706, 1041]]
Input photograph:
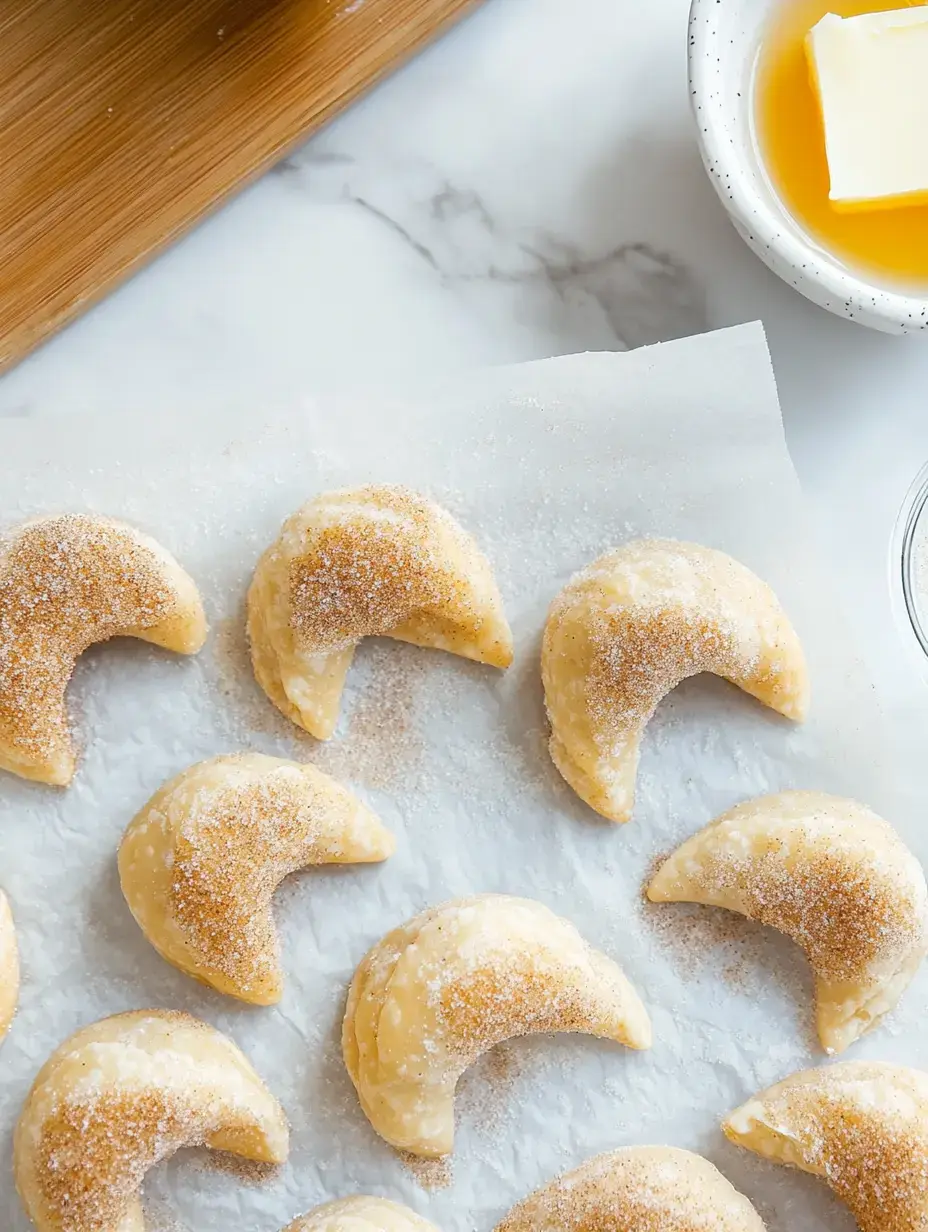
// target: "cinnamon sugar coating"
[[834, 877], [120, 1096], [372, 561], [453, 982], [628, 629], [200, 863], [861, 1125], [638, 1189], [67, 582]]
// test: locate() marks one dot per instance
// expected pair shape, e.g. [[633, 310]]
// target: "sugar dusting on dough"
[[366, 562], [65, 583], [121, 1096], [669, 626], [633, 625], [455, 981], [251, 1172], [229, 859], [867, 921], [370, 568], [93, 1155], [707, 941], [201, 862], [519, 994], [861, 1127], [490, 983], [830, 874], [641, 654], [878, 1167], [638, 1190]]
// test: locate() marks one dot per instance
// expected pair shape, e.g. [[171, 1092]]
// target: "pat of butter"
[[871, 73]]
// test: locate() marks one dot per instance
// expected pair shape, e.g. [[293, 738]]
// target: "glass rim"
[[909, 521]]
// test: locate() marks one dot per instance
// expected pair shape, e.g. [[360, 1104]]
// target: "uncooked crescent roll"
[[634, 624], [361, 1214], [67, 582], [373, 561], [639, 1189], [453, 982], [123, 1094], [830, 874], [200, 863], [861, 1126], [9, 966]]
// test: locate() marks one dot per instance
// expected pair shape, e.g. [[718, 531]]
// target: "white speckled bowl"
[[723, 41]]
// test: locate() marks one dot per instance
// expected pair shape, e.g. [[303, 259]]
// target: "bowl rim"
[[810, 265]]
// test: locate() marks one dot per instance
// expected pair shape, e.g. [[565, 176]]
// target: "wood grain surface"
[[122, 122]]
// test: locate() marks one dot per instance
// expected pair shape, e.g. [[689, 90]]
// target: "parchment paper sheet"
[[548, 464]]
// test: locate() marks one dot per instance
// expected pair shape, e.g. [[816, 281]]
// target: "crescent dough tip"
[[67, 582], [9, 966], [830, 874], [120, 1096], [200, 863], [362, 562], [861, 1126], [628, 629], [638, 1189], [456, 980], [361, 1214]]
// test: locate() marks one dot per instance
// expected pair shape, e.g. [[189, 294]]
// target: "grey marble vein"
[[632, 294]]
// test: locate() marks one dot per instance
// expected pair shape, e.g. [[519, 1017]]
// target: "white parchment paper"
[[548, 464]]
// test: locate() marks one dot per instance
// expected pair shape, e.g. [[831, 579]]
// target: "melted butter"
[[892, 243]]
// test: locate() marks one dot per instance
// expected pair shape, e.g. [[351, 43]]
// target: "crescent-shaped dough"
[[200, 863], [830, 874], [9, 966], [453, 982], [634, 624], [67, 582], [123, 1094], [361, 1214], [373, 561], [639, 1189], [861, 1126]]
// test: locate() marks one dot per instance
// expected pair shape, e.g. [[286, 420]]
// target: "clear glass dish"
[[909, 563]]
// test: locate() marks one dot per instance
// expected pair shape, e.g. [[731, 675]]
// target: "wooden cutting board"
[[122, 122]]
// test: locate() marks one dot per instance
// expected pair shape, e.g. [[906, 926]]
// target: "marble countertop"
[[530, 186]]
